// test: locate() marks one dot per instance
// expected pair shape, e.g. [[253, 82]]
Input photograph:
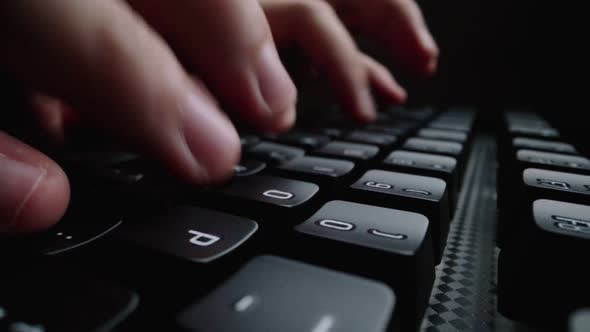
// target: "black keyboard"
[[418, 222]]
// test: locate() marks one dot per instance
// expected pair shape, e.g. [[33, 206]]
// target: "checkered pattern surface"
[[463, 297]]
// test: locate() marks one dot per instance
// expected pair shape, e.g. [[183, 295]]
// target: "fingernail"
[[18, 181], [211, 138], [276, 87]]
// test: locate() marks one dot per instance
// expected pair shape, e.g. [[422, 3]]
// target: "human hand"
[[119, 66], [319, 28]]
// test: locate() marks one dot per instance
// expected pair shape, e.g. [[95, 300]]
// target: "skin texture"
[[153, 74]]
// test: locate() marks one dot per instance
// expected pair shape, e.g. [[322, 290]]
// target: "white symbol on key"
[[378, 185], [324, 169], [244, 303], [278, 194], [203, 239], [24, 327], [324, 325], [336, 224], [393, 236], [354, 153]]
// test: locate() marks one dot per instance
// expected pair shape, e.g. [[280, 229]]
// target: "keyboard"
[[420, 221]]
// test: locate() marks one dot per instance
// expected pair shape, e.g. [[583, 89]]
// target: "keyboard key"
[[571, 220], [426, 164], [542, 280], [557, 160], [445, 135], [323, 170], [510, 171], [398, 232], [248, 167], [394, 130], [453, 149], [191, 233], [366, 236], [271, 190], [533, 131], [537, 184], [275, 200], [543, 145], [565, 182], [464, 126], [370, 137], [421, 194], [274, 153], [291, 297], [304, 140], [329, 131], [352, 151]]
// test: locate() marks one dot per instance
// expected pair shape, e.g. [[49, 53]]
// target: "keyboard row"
[[361, 233], [544, 223]]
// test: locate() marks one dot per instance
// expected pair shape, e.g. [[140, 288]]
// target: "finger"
[[382, 80], [328, 44], [52, 117], [106, 63], [34, 191], [229, 45], [399, 25]]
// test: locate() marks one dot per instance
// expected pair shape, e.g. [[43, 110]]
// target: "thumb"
[[34, 191]]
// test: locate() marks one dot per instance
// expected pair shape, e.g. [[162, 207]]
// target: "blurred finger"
[[34, 191], [119, 74]]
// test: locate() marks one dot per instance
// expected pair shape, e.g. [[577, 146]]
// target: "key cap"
[[269, 198], [544, 279], [543, 145], [248, 167], [191, 233], [427, 164], [463, 126], [332, 132], [50, 298], [360, 238], [533, 131], [554, 160], [537, 184], [452, 149], [394, 130], [248, 141], [304, 140], [291, 297], [318, 169], [369, 137], [445, 135], [507, 152], [351, 151], [416, 113], [274, 153], [421, 194], [510, 170]]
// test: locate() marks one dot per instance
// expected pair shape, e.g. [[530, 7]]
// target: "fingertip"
[[213, 142], [427, 53], [364, 109], [46, 204], [34, 191]]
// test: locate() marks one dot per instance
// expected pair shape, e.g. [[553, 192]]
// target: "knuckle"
[[313, 9]]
